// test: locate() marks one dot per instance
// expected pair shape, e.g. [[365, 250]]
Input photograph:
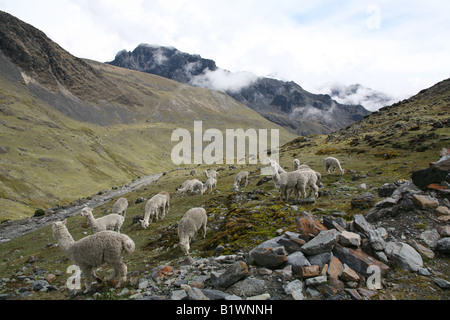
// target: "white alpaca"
[[240, 180], [211, 174], [154, 209], [110, 222], [332, 163], [296, 181], [191, 186], [120, 207], [296, 164], [210, 184], [188, 227], [167, 195], [95, 250]]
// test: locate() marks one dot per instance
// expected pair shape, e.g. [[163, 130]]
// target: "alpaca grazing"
[[240, 180], [154, 209], [120, 207], [95, 250], [333, 164], [193, 220], [191, 187]]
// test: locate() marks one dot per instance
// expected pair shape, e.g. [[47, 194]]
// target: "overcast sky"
[[397, 47]]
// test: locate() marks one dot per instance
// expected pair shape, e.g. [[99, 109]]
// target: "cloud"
[[310, 112], [223, 80], [357, 94], [398, 47]]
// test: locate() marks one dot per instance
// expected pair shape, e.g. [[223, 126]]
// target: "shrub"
[[39, 213]]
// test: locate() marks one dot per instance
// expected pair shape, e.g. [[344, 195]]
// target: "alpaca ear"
[[65, 221]]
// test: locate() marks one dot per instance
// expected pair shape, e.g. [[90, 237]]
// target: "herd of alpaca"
[[108, 245]]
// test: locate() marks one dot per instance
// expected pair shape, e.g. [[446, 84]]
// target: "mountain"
[[72, 127], [358, 94], [284, 103]]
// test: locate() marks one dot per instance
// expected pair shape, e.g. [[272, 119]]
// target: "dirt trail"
[[13, 229]]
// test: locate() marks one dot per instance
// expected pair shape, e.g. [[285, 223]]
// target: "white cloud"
[[397, 47], [224, 80]]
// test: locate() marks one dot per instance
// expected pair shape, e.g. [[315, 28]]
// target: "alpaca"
[[332, 163], [154, 209], [95, 250], [211, 174], [110, 222], [167, 195], [296, 181], [120, 207], [211, 183], [296, 164], [188, 227], [241, 179], [191, 186]]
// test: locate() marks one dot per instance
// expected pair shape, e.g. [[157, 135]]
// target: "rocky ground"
[[399, 250]]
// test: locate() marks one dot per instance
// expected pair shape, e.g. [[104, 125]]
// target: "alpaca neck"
[[90, 218], [65, 240]]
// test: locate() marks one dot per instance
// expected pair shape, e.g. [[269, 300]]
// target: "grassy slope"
[[239, 223], [52, 159]]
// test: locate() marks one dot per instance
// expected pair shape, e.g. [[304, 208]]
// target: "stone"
[[425, 202], [248, 287], [269, 257], [424, 251], [196, 294], [335, 268], [233, 274], [386, 203], [444, 231], [434, 174], [320, 259], [430, 237], [291, 241], [309, 272], [404, 256], [348, 274], [159, 273], [354, 294], [39, 285], [331, 223], [366, 228], [358, 260], [443, 284], [323, 242], [293, 286], [316, 281], [386, 190], [213, 294], [363, 201], [442, 211], [297, 260], [443, 245], [308, 226], [349, 239], [265, 296], [178, 295]]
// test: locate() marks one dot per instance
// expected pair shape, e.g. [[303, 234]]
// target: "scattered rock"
[[434, 174], [425, 202], [349, 239], [363, 201], [404, 256], [269, 257], [308, 226], [323, 242], [443, 245], [234, 273]]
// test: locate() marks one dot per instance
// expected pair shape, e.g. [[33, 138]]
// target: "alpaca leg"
[[87, 271], [204, 230]]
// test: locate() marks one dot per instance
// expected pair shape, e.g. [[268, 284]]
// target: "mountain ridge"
[[284, 103]]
